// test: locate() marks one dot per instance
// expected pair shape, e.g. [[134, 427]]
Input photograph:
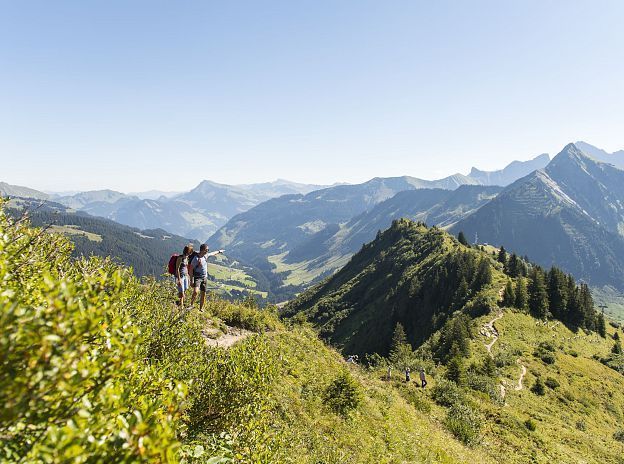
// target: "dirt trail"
[[228, 339], [522, 374], [489, 331]]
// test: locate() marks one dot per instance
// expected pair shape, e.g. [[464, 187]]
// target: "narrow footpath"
[[491, 332]]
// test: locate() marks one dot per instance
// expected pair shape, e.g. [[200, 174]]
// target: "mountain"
[[511, 172], [570, 214], [80, 200], [302, 224], [329, 249], [7, 190], [615, 158], [146, 251], [197, 213]]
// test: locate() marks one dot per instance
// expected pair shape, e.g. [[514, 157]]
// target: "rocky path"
[[228, 339], [490, 331]]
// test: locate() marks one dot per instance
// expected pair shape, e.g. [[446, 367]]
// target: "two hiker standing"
[[191, 270]]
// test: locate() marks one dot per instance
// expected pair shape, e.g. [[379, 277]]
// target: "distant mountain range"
[[570, 214], [566, 211], [199, 212]]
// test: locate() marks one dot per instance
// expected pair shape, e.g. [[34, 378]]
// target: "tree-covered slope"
[[571, 215]]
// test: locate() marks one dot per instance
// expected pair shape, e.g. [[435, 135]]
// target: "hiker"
[[423, 379], [199, 265], [389, 372], [182, 273], [407, 374]]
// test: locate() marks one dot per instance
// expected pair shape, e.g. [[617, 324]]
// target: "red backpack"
[[172, 263]]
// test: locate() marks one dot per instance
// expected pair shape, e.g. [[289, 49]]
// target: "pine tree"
[[601, 326], [509, 296], [617, 348], [483, 276], [522, 295], [502, 255], [538, 294], [462, 239], [400, 349], [455, 370], [557, 294], [513, 266]]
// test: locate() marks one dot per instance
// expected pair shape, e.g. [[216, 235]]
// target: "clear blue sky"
[[134, 95]]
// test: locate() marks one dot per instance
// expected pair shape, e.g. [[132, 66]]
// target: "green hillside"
[[98, 367]]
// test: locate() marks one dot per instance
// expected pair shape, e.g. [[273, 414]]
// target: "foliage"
[[447, 393], [619, 435], [72, 381], [530, 424], [552, 383], [343, 395], [538, 387], [464, 422]]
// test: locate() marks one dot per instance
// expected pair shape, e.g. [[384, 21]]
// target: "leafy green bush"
[[538, 387], [552, 383], [530, 424], [619, 435], [447, 393], [71, 380], [546, 352], [343, 395], [463, 422], [580, 425], [415, 397]]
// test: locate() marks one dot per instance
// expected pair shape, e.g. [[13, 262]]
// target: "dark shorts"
[[200, 282]]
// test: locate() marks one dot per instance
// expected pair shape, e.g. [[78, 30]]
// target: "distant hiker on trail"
[[199, 265], [423, 379], [182, 273], [407, 374]]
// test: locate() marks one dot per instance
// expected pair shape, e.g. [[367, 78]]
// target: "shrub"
[[71, 380], [447, 393], [342, 395], [573, 353], [538, 387], [530, 424], [551, 383], [619, 435], [463, 422], [580, 425], [414, 397]]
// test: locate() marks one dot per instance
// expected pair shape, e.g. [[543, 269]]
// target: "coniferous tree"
[[587, 304], [538, 294], [400, 349], [512, 268], [557, 294], [483, 276], [617, 348], [509, 297], [522, 295], [601, 326], [462, 239], [502, 255], [455, 370]]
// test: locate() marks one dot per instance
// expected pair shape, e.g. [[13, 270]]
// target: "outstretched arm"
[[214, 253]]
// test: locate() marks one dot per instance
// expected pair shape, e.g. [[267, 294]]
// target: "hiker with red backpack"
[[199, 267], [179, 267]]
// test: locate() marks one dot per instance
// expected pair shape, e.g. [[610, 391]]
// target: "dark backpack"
[[172, 263]]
